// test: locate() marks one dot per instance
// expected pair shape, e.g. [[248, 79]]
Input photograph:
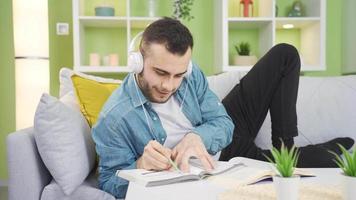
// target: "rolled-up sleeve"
[[217, 128], [114, 152]]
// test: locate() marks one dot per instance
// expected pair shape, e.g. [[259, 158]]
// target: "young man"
[[166, 110]]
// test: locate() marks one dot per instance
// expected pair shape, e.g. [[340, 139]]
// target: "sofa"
[[326, 109]]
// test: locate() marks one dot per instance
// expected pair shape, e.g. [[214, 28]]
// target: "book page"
[[253, 172], [241, 176], [252, 162], [220, 167], [153, 178]]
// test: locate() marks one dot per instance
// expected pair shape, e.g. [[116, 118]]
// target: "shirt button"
[[162, 139], [155, 118]]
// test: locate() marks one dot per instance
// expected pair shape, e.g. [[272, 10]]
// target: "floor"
[[3, 193]]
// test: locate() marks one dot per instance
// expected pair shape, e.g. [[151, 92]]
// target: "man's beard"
[[148, 91]]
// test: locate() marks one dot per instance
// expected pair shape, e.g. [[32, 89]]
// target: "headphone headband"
[[133, 41], [135, 58]]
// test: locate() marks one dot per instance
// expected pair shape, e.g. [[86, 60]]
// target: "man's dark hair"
[[170, 32]]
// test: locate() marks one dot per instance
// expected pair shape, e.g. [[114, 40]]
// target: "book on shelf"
[[239, 170]]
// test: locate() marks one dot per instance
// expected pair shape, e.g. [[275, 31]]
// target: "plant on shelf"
[[286, 182], [243, 57], [347, 164], [243, 49], [182, 9]]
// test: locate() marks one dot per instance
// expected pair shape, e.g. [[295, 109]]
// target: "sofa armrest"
[[27, 173]]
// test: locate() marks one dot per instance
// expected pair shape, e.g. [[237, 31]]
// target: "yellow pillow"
[[91, 96]]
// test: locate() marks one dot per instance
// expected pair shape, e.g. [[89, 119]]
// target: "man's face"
[[162, 73]]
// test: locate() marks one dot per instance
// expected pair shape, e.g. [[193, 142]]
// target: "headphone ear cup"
[[135, 62], [189, 69]]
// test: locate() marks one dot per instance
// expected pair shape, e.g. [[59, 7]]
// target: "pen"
[[174, 164], [171, 162]]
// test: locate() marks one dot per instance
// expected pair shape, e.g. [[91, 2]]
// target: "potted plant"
[[348, 166], [243, 57], [181, 9], [285, 181]]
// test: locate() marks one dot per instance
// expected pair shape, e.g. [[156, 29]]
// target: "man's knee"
[[286, 48], [289, 53]]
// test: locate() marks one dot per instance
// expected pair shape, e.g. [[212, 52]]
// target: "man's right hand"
[[154, 157]]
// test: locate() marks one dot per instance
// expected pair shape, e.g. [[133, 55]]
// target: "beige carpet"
[[267, 192]]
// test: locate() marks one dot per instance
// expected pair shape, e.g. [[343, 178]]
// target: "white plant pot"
[[286, 188], [245, 60], [349, 187]]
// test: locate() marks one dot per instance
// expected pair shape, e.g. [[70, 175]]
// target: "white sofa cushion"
[[66, 84], [326, 108], [64, 142], [223, 83]]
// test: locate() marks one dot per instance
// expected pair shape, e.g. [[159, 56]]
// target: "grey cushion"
[[86, 191], [63, 140]]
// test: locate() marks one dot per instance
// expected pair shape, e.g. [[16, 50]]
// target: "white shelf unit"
[[124, 28], [267, 29]]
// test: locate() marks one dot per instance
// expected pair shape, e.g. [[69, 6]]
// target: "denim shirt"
[[122, 131]]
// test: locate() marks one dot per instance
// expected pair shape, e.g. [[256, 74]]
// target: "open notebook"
[[155, 178], [237, 171]]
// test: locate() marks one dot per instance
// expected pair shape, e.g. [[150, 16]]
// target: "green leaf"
[[285, 160], [348, 164], [243, 48]]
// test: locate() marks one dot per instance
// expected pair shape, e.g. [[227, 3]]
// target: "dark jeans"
[[272, 84]]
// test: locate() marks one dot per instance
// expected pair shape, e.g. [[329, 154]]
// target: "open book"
[[155, 178], [238, 170], [254, 171]]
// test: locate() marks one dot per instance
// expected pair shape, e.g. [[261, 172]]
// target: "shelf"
[[302, 22], [95, 21], [263, 30], [142, 22], [307, 37], [248, 23], [248, 19], [102, 69], [297, 18]]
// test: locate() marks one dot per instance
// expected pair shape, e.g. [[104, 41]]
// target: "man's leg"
[[271, 84], [274, 78]]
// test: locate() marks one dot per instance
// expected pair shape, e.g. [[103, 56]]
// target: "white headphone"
[[135, 58]]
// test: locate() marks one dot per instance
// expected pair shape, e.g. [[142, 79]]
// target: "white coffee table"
[[208, 191]]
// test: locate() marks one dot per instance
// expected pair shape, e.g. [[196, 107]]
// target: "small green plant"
[[284, 160], [182, 9], [243, 49], [347, 164]]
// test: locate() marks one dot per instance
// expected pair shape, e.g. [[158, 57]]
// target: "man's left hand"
[[191, 146]]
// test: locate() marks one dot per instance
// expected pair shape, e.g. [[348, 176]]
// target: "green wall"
[[202, 28], [60, 46], [334, 40], [7, 81], [61, 52]]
